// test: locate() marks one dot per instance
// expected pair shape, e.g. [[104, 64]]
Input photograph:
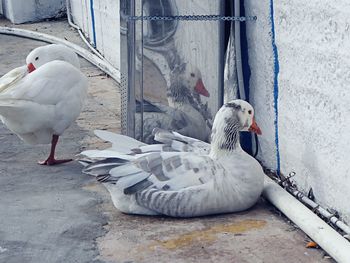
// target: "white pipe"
[[101, 64], [70, 22], [314, 206], [324, 235]]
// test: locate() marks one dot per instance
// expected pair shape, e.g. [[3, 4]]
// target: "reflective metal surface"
[[174, 68], [127, 68]]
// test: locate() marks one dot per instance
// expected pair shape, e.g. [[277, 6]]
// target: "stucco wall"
[[106, 22], [312, 41], [22, 11]]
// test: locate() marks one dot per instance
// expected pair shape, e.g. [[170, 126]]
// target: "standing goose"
[[46, 99], [186, 184]]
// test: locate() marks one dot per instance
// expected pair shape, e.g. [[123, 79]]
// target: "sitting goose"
[[186, 184], [42, 102]]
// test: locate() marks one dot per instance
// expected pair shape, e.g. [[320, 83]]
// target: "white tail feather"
[[120, 143], [107, 154]]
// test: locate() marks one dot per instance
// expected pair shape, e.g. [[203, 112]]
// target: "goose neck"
[[178, 95], [226, 140]]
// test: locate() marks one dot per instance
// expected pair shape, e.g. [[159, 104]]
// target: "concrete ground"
[[57, 214]]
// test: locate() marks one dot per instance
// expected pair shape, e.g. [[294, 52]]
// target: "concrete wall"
[[22, 11], [311, 89], [106, 23]]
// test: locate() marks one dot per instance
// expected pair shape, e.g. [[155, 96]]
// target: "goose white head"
[[233, 117], [42, 55], [193, 79], [186, 81]]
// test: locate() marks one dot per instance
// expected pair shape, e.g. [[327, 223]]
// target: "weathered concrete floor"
[[56, 214]]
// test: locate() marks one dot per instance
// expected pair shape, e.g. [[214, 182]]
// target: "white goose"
[[183, 113], [185, 184], [40, 102]]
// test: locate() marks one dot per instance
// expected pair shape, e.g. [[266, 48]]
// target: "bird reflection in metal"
[[176, 69]]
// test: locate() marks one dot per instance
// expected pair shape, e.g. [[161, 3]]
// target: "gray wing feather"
[[171, 203], [180, 142], [102, 167], [132, 180], [152, 148], [137, 187]]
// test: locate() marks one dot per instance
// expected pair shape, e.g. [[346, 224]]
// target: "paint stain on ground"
[[208, 235], [93, 187]]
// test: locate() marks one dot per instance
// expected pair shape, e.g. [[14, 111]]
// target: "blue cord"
[[275, 86], [93, 21]]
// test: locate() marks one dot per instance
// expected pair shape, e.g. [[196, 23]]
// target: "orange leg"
[[51, 159]]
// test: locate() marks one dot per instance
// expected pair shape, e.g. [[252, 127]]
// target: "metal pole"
[[238, 50], [131, 74], [141, 77]]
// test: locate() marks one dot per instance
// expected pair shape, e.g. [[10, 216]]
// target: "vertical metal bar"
[[141, 77], [131, 73], [124, 11], [238, 51], [221, 59]]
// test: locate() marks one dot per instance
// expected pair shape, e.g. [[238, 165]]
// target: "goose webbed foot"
[[53, 161]]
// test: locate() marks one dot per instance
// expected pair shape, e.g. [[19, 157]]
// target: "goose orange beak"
[[30, 67], [201, 89], [255, 128]]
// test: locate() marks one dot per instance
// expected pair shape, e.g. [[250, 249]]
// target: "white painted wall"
[[107, 26], [313, 42], [22, 11]]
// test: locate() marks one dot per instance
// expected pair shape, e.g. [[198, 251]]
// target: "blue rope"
[[93, 21], [275, 85]]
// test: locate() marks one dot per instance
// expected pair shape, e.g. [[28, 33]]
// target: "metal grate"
[[124, 102]]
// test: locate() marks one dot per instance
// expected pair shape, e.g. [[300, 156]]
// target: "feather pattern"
[[101, 167], [181, 143]]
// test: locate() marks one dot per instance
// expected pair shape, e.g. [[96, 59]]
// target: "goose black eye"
[[192, 75], [249, 112], [36, 58]]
